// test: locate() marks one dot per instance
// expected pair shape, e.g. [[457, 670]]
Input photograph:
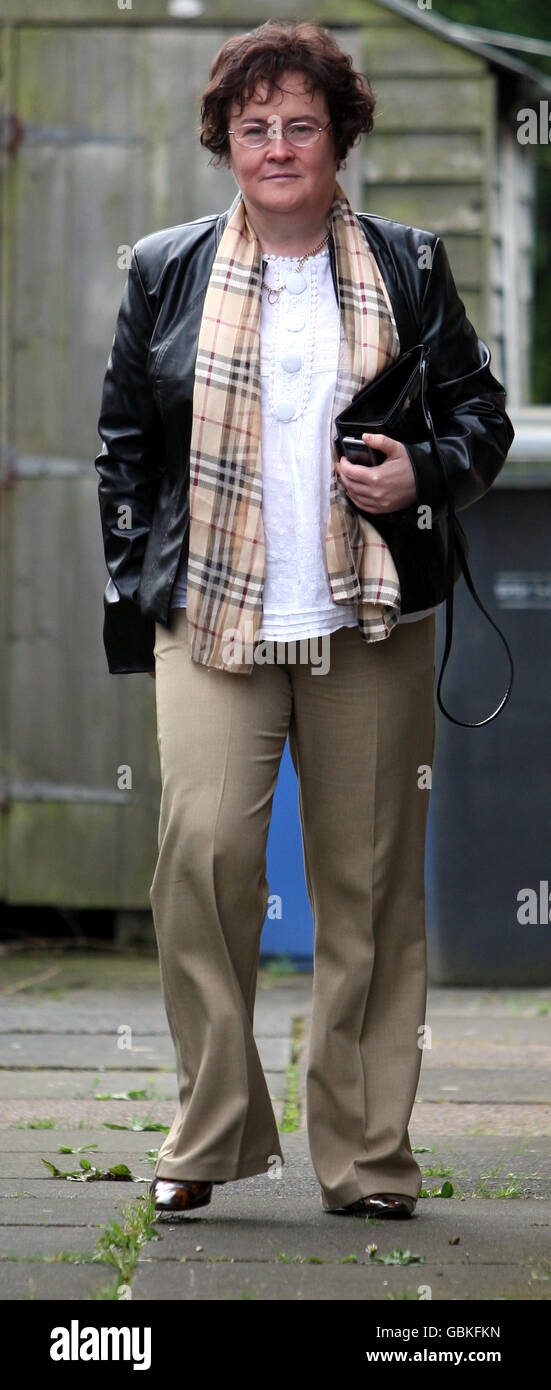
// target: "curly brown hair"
[[262, 55]]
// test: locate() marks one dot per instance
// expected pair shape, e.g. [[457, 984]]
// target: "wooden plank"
[[71, 722], [64, 855], [416, 52], [422, 156], [79, 205], [489, 101], [464, 250], [512, 197], [495, 339], [435, 103], [191, 14], [465, 257], [439, 208], [95, 84], [6, 290], [67, 725], [474, 301], [7, 184]]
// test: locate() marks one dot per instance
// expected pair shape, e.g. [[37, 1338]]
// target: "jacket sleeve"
[[466, 401], [129, 465]]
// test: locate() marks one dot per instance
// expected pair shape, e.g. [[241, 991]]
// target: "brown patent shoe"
[[180, 1195], [396, 1205]]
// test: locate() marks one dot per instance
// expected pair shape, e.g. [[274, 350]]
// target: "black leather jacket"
[[146, 416]]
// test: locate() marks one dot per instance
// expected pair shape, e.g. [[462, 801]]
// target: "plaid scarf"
[[226, 560]]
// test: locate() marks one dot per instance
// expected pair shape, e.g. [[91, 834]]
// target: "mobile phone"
[[369, 457]]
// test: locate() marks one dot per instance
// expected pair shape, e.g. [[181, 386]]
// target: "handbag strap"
[[450, 581]]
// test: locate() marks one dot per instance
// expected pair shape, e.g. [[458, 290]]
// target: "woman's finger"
[[379, 441]]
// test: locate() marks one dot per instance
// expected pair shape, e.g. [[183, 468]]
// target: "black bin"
[[488, 845]]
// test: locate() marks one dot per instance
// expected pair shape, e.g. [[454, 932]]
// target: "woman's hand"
[[386, 487]]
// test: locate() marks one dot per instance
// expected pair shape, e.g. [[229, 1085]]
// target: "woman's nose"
[[279, 148]]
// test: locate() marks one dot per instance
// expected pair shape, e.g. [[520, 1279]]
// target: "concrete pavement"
[[94, 1027]]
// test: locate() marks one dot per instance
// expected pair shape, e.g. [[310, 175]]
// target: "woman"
[[240, 337]]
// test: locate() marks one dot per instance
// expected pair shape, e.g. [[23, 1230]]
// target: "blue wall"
[[292, 934]]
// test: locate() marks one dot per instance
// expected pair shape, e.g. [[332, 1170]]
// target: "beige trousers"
[[361, 736]]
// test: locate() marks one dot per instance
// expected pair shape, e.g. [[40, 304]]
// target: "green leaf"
[[139, 1126], [121, 1095], [66, 1148], [118, 1172]]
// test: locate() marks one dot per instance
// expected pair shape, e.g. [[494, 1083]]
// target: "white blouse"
[[299, 344]]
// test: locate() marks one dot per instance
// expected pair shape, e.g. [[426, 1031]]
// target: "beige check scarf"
[[226, 559]]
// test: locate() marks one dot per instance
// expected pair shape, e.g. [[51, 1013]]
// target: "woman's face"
[[279, 176]]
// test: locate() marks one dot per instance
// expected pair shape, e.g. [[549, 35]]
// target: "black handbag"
[[395, 404]]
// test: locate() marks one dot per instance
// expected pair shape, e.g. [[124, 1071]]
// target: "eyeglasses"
[[253, 134]]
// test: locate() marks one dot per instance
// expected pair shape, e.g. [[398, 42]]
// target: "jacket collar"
[[225, 217]]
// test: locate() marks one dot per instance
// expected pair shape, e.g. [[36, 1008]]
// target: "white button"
[[292, 362], [284, 410], [295, 325], [296, 282]]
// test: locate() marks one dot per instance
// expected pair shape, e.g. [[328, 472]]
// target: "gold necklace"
[[271, 289]]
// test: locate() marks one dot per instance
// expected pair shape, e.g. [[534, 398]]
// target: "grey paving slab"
[[92, 1011], [333, 1283], [32, 1141], [83, 1113], [78, 1113], [274, 1009], [479, 1150], [489, 1030], [467, 1161], [92, 1084], [97, 1009], [254, 1226], [79, 1084], [21, 1167], [470, 1001], [70, 1016], [79, 1051], [28, 1279], [485, 1084], [262, 1238], [489, 1056], [475, 1162], [28, 1242], [100, 1050], [433, 1118], [59, 1203], [483, 1108]]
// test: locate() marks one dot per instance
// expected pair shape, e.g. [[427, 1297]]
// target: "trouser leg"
[[359, 738], [220, 739]]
